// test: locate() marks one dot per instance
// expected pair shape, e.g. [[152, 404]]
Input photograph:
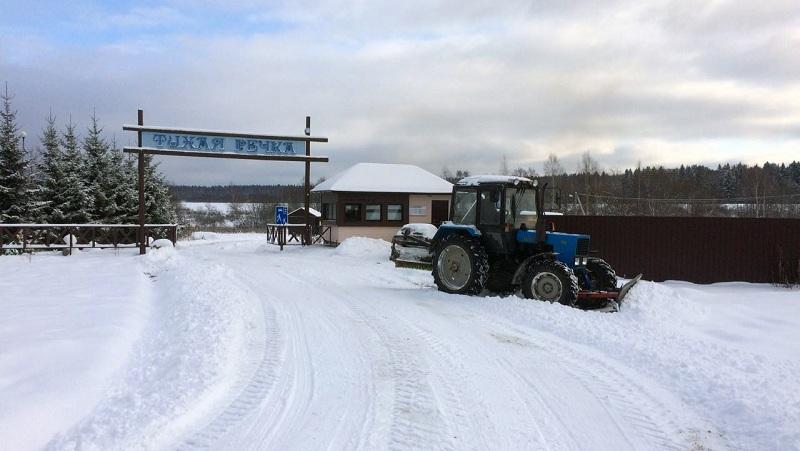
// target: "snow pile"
[[161, 243], [364, 248], [205, 235], [188, 357], [67, 325]]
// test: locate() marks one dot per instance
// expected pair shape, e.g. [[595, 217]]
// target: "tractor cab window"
[[464, 202], [521, 207], [491, 206]]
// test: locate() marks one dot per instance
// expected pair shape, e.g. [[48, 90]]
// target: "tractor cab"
[[508, 212], [498, 239]]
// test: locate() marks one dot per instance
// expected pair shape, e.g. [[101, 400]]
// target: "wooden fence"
[[66, 237], [696, 249], [287, 234]]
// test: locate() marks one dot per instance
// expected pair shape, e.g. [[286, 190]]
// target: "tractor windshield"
[[521, 207]]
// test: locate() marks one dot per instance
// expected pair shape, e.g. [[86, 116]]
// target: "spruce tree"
[[158, 205], [98, 173], [53, 175], [17, 201], [78, 204]]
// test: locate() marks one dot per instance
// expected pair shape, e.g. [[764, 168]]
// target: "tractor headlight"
[[580, 261]]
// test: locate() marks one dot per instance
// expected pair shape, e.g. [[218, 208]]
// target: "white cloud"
[[456, 83]]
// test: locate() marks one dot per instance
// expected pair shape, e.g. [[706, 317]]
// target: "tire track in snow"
[[264, 347], [620, 396]]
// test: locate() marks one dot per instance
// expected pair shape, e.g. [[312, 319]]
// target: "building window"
[[352, 212], [373, 212], [394, 212], [329, 211]]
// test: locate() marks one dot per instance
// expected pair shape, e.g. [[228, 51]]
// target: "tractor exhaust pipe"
[[541, 225]]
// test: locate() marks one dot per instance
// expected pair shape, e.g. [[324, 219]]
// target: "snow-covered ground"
[[227, 343]]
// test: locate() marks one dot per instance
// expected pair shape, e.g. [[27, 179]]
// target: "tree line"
[[768, 190], [70, 179]]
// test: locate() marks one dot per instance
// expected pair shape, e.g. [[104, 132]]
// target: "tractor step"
[[413, 264]]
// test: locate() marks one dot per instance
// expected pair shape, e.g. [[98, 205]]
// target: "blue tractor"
[[498, 239]]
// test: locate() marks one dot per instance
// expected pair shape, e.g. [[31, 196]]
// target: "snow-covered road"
[[316, 348]]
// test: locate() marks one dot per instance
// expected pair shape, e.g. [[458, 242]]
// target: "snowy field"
[[228, 343]]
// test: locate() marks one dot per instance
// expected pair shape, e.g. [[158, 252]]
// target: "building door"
[[440, 210]]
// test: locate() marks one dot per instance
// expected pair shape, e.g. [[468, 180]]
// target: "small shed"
[[298, 216]]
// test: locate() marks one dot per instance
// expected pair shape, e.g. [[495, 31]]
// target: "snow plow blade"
[[627, 287], [609, 301], [411, 246]]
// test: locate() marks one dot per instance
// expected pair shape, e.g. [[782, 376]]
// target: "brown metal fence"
[[702, 250]]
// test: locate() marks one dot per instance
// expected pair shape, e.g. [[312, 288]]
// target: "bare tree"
[[553, 168], [588, 167]]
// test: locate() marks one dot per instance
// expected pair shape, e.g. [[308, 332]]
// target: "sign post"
[[142, 244], [222, 144], [307, 231]]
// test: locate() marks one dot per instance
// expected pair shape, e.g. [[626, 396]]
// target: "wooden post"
[[142, 248], [307, 231]]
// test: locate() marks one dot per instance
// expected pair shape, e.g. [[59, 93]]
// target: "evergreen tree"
[[17, 195], [158, 205], [78, 205], [53, 174], [99, 176]]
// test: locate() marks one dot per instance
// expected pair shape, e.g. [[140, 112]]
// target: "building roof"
[[311, 211], [386, 178]]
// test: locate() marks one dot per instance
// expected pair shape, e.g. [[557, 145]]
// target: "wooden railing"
[[31, 237], [288, 234]]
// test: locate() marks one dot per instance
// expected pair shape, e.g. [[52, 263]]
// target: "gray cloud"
[[454, 84]]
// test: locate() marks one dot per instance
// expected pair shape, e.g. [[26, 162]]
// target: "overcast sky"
[[454, 83]]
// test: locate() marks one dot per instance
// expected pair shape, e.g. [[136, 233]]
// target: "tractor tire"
[[601, 275], [460, 265], [552, 281]]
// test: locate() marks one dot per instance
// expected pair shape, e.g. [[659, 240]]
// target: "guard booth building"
[[374, 200]]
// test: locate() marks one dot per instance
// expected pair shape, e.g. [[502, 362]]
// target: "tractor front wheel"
[[551, 281], [601, 275], [460, 265]]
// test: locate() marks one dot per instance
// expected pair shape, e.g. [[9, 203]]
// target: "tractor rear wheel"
[[460, 265], [601, 275], [552, 281]]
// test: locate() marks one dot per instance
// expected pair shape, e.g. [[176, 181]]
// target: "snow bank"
[[185, 362], [67, 326], [205, 236], [364, 248], [161, 243]]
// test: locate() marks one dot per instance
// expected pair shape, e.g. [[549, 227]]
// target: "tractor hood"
[[566, 245]]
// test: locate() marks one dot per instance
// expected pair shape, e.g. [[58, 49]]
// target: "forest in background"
[[735, 190]]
